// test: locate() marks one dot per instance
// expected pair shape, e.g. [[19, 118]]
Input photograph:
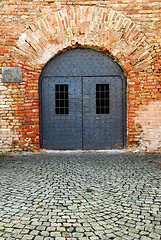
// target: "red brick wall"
[[32, 32]]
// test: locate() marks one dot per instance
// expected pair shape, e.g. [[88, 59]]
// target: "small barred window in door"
[[102, 99], [61, 99]]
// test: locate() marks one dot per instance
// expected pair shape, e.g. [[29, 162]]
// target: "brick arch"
[[93, 27]]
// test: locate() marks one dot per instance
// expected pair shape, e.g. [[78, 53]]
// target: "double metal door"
[[82, 113]]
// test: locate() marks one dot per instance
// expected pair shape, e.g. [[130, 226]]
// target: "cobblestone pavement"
[[80, 196]]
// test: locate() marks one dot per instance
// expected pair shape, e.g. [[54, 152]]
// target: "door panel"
[[82, 126], [61, 131], [102, 131]]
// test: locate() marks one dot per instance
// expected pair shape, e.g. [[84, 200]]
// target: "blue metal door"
[[102, 112], [62, 113], [82, 102]]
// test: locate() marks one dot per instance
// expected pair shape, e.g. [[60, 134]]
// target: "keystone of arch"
[[93, 27]]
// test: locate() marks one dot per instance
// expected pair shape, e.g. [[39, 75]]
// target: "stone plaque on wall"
[[11, 74]]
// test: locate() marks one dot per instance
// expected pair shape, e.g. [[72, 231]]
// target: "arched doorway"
[[82, 102]]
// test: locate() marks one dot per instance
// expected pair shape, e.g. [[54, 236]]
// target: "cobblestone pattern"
[[80, 196]]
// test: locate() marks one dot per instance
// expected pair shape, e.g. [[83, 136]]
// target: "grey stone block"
[[11, 74]]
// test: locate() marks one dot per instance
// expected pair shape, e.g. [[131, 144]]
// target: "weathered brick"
[[32, 32]]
